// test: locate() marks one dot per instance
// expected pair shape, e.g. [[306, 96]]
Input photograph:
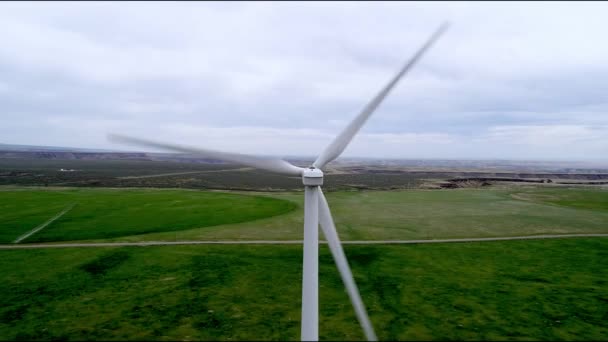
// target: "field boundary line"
[[289, 242], [184, 173], [40, 227]]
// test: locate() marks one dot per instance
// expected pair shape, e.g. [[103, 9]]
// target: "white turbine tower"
[[316, 209]]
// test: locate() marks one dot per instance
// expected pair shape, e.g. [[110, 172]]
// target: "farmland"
[[516, 290], [170, 214], [111, 213], [29, 171], [155, 174], [507, 290]]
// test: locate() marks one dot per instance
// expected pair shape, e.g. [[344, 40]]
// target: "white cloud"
[[284, 78]]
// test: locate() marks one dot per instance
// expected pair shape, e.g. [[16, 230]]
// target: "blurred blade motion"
[[270, 164], [338, 145], [331, 235]]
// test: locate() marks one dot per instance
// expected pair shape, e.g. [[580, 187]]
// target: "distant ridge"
[[35, 148], [57, 152], [10, 151]]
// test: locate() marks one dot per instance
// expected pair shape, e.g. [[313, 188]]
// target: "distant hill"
[[34, 148], [71, 153], [50, 154]]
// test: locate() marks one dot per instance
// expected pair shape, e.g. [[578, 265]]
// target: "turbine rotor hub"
[[312, 176]]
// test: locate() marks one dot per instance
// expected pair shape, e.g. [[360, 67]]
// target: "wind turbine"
[[316, 209]]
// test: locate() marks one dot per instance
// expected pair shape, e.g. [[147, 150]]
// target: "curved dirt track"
[[288, 242]]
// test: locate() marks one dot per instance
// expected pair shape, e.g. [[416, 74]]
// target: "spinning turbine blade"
[[264, 163], [341, 141], [329, 230]]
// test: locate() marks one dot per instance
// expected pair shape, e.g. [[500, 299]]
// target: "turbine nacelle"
[[312, 176]]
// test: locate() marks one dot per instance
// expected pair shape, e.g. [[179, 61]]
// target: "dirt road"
[[288, 242]]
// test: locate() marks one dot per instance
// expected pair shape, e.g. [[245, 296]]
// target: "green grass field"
[[152, 214], [592, 199], [509, 290], [107, 213], [514, 290]]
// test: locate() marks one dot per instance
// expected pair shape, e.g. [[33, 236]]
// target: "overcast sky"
[[514, 80]]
